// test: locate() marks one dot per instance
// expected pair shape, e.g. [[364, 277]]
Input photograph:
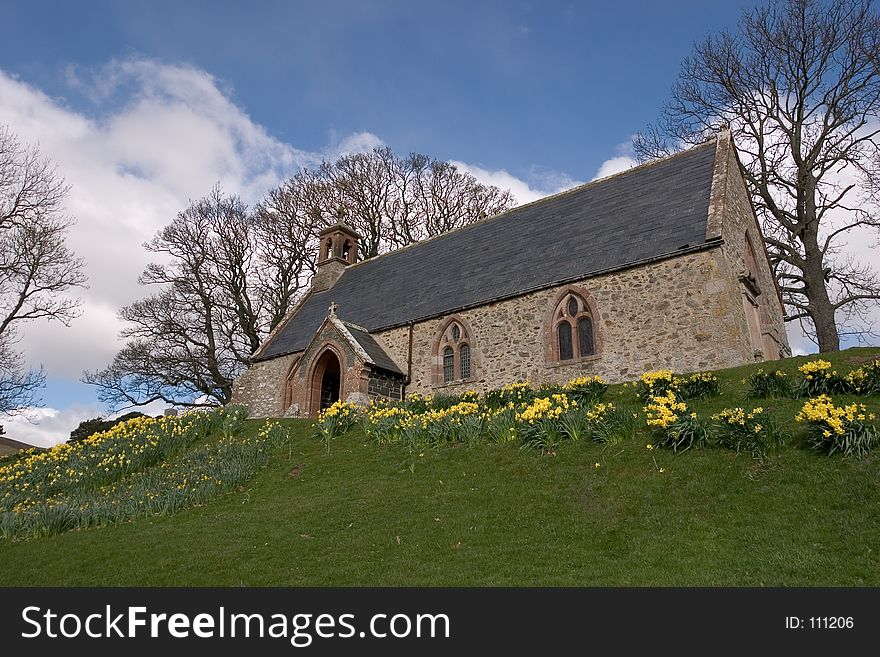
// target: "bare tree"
[[393, 201], [19, 387], [188, 340], [799, 87], [286, 225], [37, 270], [230, 276]]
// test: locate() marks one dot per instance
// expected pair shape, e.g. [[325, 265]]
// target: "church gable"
[[342, 361], [746, 254]]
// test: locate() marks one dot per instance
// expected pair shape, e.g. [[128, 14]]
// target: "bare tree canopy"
[[391, 201], [187, 341], [19, 387], [231, 275], [37, 270], [799, 87]]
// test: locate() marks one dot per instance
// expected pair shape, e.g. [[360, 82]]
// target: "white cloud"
[[359, 142], [161, 136], [623, 160], [615, 165], [45, 427], [522, 190], [156, 137]]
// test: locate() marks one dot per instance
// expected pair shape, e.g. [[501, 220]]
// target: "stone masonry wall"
[[385, 386], [674, 313], [737, 218], [261, 388]]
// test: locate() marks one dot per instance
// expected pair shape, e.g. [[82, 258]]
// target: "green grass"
[[494, 515]]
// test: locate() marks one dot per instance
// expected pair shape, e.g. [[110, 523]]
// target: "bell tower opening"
[[338, 250]]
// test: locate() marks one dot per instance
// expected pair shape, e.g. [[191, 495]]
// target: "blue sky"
[[514, 85], [144, 105]]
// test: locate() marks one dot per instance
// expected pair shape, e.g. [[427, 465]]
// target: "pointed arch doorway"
[[326, 382]]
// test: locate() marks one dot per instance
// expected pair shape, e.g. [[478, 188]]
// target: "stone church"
[[661, 266]]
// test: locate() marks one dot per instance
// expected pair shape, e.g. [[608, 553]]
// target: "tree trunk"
[[821, 308]]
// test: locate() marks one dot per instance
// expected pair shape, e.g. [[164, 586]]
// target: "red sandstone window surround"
[[452, 353], [573, 333]]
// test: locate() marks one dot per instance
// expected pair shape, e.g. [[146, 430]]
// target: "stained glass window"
[[572, 307], [456, 333]]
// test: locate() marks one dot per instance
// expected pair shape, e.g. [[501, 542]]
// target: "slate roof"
[[374, 349], [646, 213]]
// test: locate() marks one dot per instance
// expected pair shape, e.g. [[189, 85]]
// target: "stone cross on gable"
[[332, 309]]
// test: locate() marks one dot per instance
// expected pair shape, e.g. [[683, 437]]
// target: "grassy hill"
[[491, 514]]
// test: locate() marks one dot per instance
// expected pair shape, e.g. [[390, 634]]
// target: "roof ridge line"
[[577, 188], [354, 326]]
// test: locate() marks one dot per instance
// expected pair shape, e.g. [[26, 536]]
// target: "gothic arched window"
[[573, 333], [453, 350]]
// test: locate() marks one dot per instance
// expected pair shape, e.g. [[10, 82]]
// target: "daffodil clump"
[[865, 380], [815, 368], [390, 423], [601, 422], [586, 389], [820, 378], [671, 423], [748, 431], [664, 410], [848, 429], [655, 384], [102, 457], [462, 422], [517, 411], [513, 393], [769, 384], [540, 422], [140, 467], [545, 408], [418, 403], [702, 385], [336, 420], [445, 401]]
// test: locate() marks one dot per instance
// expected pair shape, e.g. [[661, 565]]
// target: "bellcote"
[[339, 241], [338, 250]]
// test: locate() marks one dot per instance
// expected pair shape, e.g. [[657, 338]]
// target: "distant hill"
[[10, 446]]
